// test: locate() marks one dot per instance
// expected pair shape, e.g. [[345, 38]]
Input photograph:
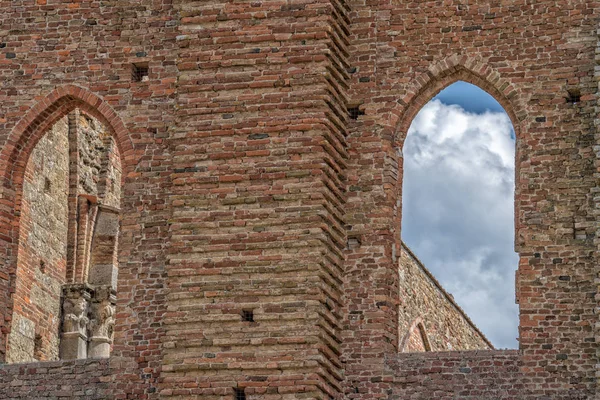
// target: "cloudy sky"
[[458, 204]]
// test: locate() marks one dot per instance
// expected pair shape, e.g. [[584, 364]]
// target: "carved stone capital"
[[102, 321], [75, 321], [102, 314], [76, 300]]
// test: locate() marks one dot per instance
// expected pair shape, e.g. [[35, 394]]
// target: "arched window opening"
[[65, 287], [458, 218]]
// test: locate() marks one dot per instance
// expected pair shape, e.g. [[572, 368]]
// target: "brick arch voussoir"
[[446, 72], [45, 113], [14, 156]]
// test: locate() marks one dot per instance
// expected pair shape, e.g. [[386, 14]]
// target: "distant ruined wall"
[[423, 299], [99, 165], [90, 147], [42, 250], [110, 173]]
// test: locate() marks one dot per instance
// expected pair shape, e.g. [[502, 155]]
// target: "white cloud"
[[458, 212]]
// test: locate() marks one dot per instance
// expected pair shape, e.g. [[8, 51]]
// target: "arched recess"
[[14, 157], [417, 332]]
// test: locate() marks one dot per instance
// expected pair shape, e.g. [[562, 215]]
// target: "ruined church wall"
[[42, 254], [423, 299]]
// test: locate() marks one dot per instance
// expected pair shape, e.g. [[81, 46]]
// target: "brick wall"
[[82, 379], [246, 187], [257, 201], [466, 375]]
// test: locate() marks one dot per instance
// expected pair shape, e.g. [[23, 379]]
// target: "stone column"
[[101, 326], [73, 119], [73, 342]]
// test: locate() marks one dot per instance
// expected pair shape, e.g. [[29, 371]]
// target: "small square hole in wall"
[[248, 315], [355, 112], [37, 347], [139, 72], [240, 394], [42, 266], [47, 185], [574, 96]]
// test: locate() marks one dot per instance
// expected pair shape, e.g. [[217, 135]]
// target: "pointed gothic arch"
[[30, 129], [439, 76], [14, 157], [443, 74], [424, 88]]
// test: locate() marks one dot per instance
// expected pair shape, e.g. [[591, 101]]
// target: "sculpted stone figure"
[[75, 321], [75, 315]]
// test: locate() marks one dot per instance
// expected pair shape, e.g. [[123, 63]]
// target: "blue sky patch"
[[469, 97]]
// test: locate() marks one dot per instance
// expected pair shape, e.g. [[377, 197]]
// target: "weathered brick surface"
[[246, 187], [257, 201], [468, 375], [82, 379], [42, 252]]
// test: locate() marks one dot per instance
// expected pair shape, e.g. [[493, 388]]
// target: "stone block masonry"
[[246, 187]]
